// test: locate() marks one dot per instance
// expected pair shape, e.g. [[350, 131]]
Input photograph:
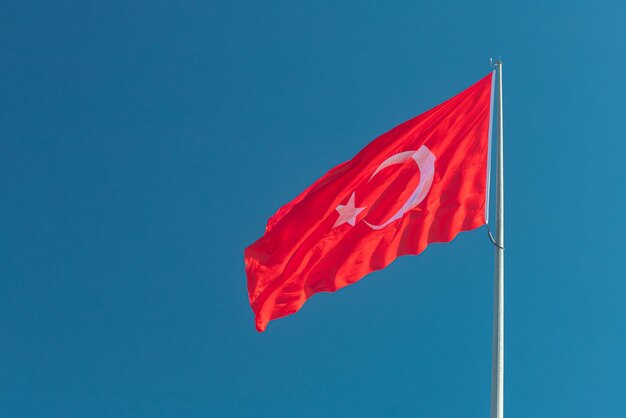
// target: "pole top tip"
[[495, 63]]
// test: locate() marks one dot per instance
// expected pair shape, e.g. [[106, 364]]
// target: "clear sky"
[[143, 145]]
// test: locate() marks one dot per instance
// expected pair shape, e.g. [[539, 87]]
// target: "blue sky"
[[144, 145]]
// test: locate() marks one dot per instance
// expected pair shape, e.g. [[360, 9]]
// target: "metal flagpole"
[[497, 365]]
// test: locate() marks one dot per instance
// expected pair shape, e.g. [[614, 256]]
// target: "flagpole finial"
[[494, 63]]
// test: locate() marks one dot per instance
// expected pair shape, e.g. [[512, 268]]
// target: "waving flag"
[[424, 181]]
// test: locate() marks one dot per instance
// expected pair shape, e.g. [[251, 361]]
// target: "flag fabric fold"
[[424, 181]]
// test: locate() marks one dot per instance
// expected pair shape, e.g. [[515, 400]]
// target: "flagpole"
[[497, 365]]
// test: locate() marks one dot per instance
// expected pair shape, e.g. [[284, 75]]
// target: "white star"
[[348, 213]]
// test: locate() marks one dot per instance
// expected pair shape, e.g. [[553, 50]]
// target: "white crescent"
[[425, 160]]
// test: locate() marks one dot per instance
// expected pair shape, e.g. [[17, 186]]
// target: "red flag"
[[424, 181]]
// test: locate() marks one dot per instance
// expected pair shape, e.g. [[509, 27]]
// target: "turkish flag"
[[424, 181]]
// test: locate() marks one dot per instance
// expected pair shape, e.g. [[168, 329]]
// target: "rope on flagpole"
[[493, 240], [493, 64]]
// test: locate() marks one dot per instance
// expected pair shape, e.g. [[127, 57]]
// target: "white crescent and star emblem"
[[425, 160]]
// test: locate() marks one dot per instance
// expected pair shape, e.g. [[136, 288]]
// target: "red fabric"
[[310, 244]]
